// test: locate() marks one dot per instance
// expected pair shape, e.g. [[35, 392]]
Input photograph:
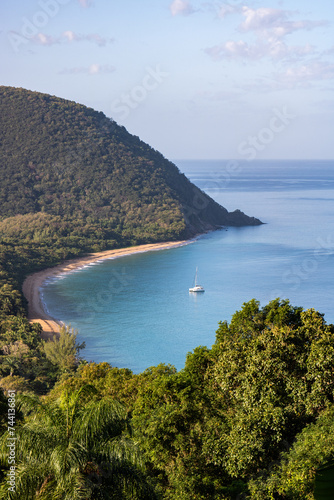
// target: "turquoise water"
[[136, 311]]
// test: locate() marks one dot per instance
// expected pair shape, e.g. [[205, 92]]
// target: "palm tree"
[[72, 449], [10, 363]]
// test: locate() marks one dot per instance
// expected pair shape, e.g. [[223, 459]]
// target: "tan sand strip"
[[32, 284]]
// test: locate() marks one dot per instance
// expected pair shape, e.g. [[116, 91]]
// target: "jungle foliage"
[[250, 418], [71, 177]]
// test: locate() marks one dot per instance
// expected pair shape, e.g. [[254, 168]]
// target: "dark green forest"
[[81, 180], [252, 417]]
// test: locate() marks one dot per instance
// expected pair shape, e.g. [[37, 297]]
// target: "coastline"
[[32, 284]]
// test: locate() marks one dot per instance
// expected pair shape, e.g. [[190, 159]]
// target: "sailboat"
[[196, 287]]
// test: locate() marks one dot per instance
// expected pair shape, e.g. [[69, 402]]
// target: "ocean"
[[136, 311]]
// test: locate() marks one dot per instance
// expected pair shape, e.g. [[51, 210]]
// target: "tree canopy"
[[73, 448], [249, 418], [70, 174]]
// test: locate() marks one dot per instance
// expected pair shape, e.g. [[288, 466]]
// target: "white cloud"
[[272, 49], [181, 7], [92, 37], [306, 73], [274, 22], [262, 18], [232, 49], [69, 37], [44, 39], [295, 77], [226, 9], [85, 3], [93, 69], [270, 27]]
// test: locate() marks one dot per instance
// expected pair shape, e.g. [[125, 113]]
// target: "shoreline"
[[32, 284]]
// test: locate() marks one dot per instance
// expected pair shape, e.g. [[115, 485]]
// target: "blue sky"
[[194, 79]]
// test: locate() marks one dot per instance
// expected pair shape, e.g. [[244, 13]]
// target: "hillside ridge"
[[70, 172]]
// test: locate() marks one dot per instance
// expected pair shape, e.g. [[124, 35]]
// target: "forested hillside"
[[91, 181]]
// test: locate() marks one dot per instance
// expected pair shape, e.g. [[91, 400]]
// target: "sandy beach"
[[32, 284]]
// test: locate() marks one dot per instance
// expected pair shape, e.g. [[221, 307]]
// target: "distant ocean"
[[136, 311]]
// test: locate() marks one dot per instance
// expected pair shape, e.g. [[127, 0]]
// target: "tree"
[[64, 350], [14, 383], [75, 447], [294, 476], [14, 355], [22, 356], [17, 329], [174, 418], [10, 301], [274, 375]]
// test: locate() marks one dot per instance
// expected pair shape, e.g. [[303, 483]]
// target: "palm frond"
[[32, 439], [71, 487], [71, 449], [67, 459], [121, 449], [105, 418], [29, 479]]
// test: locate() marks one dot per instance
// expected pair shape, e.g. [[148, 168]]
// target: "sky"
[[194, 79]]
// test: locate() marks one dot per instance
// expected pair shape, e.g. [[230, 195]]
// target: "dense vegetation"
[[250, 418], [70, 175]]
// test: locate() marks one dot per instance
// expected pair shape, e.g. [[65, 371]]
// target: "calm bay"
[[136, 311]]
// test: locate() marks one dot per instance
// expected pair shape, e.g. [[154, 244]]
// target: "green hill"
[[69, 172]]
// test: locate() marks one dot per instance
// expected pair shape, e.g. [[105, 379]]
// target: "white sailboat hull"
[[197, 288]]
